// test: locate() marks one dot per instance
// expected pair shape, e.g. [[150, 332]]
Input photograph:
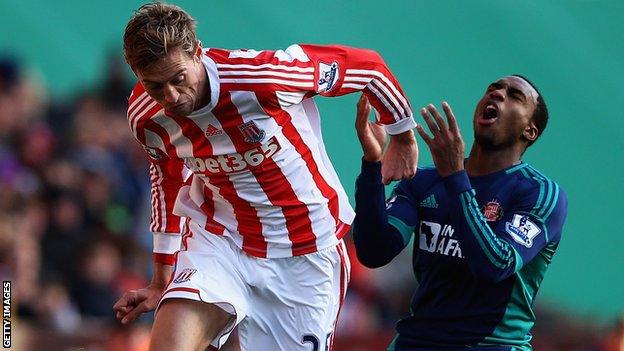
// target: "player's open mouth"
[[489, 115]]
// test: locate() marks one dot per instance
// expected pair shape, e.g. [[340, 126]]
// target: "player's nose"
[[171, 94]]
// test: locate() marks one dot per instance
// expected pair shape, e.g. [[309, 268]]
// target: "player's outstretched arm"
[[365, 70], [166, 178], [335, 70], [378, 237], [372, 136]]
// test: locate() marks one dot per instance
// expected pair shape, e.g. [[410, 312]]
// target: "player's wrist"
[[372, 158], [161, 276], [370, 172], [448, 171], [373, 167], [158, 286], [406, 137], [457, 182]]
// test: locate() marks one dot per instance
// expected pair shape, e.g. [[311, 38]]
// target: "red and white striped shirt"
[[252, 165]]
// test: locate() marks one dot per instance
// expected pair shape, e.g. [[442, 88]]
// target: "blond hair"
[[156, 29]]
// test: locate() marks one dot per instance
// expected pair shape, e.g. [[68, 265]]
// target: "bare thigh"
[[187, 325]]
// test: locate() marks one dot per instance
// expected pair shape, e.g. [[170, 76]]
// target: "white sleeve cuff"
[[167, 243], [401, 126]]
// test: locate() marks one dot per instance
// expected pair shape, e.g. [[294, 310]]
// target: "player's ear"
[[198, 51], [530, 132]]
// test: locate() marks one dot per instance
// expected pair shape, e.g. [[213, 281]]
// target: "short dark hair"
[[540, 115]]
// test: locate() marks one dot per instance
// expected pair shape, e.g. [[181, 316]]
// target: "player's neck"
[[482, 161]]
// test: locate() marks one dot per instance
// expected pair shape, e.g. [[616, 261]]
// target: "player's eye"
[[493, 86], [178, 80], [516, 95], [152, 86]]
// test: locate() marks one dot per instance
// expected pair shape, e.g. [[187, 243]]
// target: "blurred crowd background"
[[74, 207], [74, 188]]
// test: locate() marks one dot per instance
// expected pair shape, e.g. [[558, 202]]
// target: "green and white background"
[[573, 50]]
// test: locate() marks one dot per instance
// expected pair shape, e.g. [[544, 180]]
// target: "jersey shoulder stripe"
[[141, 108], [293, 57], [289, 69], [548, 194]]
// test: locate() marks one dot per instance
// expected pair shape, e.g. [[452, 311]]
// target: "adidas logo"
[[429, 202], [212, 131]]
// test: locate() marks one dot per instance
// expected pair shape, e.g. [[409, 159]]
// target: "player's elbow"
[[371, 57], [372, 260], [368, 252], [374, 55], [374, 246]]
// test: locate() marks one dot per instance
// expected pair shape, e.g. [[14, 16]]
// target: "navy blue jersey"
[[482, 246]]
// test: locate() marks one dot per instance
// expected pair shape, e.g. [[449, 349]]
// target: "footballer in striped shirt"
[[248, 214]]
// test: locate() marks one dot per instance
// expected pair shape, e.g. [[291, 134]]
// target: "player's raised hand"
[[446, 145], [400, 159], [136, 302], [372, 136]]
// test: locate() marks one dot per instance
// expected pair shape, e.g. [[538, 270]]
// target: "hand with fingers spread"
[[372, 135], [136, 302], [446, 145]]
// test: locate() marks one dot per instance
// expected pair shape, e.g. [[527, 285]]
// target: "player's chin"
[[486, 139]]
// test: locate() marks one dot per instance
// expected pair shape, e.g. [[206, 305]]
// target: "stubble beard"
[[490, 142]]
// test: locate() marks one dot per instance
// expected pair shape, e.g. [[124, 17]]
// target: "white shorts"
[[287, 303]]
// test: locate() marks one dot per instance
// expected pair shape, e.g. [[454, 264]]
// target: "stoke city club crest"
[[252, 134]]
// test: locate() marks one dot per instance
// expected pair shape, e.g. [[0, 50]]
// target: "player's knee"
[[184, 310], [186, 325]]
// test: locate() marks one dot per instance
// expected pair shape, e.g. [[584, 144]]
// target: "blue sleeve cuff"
[[457, 183], [371, 172]]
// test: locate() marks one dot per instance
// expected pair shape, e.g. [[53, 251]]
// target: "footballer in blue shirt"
[[485, 227]]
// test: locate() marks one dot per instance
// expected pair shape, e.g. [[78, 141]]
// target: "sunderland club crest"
[[251, 133], [492, 211]]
